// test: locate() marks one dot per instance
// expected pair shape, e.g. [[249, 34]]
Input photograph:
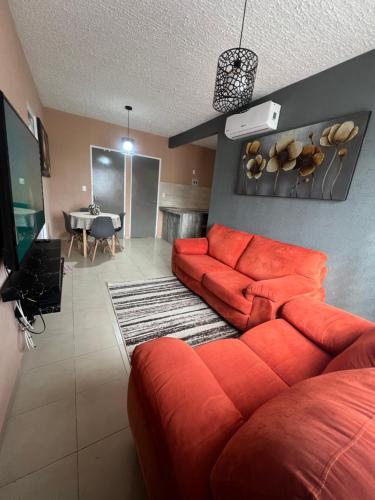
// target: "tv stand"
[[38, 282]]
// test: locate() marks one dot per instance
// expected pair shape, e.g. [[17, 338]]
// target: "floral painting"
[[45, 161], [317, 161]]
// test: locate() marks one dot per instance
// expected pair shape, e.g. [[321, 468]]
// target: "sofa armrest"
[[191, 246], [280, 289], [314, 440], [191, 416], [330, 327]]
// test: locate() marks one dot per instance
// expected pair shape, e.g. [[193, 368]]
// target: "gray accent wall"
[[346, 229]]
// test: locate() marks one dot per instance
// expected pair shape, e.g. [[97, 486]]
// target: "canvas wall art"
[[45, 161], [317, 161]]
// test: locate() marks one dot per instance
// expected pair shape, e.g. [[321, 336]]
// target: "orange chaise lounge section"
[[246, 278], [284, 412]]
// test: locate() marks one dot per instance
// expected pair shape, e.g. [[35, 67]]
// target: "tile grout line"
[[38, 470], [111, 379], [38, 407], [28, 370], [75, 393], [47, 364], [75, 310], [103, 438], [75, 356]]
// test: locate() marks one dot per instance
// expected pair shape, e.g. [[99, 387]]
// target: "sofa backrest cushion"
[[361, 354], [331, 328], [314, 440], [265, 259], [226, 244], [288, 353]]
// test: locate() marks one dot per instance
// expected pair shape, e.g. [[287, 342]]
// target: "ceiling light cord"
[[243, 22], [128, 143], [128, 109]]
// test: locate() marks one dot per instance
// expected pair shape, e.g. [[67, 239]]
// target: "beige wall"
[[17, 84], [70, 138]]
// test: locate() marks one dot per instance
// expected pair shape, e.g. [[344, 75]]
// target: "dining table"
[[84, 220]]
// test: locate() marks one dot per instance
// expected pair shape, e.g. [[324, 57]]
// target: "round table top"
[[84, 220]]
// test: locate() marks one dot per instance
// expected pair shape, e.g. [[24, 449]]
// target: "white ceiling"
[[91, 57]]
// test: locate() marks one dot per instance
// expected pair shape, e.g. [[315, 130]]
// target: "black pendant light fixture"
[[128, 144], [235, 77]]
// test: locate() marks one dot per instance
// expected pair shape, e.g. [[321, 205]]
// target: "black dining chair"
[[75, 234], [119, 229], [102, 230]]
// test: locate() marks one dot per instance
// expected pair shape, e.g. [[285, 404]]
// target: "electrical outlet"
[[194, 181], [193, 172], [84, 189]]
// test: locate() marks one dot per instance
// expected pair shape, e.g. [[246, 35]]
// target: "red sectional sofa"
[[246, 278], [284, 412]]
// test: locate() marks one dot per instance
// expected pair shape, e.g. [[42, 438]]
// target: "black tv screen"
[[21, 191]]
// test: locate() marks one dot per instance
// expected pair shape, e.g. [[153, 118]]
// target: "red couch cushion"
[[291, 355], [197, 266], [191, 246], [361, 354], [227, 244], [327, 326], [244, 377], [265, 259], [229, 286], [313, 441], [281, 289]]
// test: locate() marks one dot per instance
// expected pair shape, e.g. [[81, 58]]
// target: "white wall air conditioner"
[[257, 120]]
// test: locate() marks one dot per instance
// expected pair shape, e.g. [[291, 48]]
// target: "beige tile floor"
[[67, 436]]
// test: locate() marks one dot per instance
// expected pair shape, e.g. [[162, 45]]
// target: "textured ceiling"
[[91, 57]]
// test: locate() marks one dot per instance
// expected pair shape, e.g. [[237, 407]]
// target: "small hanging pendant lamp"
[[128, 144]]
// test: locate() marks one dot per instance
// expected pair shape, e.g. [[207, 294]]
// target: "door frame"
[[92, 146], [131, 186]]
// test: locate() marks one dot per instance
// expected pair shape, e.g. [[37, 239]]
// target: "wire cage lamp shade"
[[235, 79], [235, 76]]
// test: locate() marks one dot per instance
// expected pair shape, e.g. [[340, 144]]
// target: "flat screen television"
[[21, 190]]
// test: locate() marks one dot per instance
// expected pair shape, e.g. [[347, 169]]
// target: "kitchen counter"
[[175, 210], [183, 223]]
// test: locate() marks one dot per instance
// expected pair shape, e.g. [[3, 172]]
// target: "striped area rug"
[[162, 307]]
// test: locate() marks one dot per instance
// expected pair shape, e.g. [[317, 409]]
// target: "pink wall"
[[17, 84], [70, 138]]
